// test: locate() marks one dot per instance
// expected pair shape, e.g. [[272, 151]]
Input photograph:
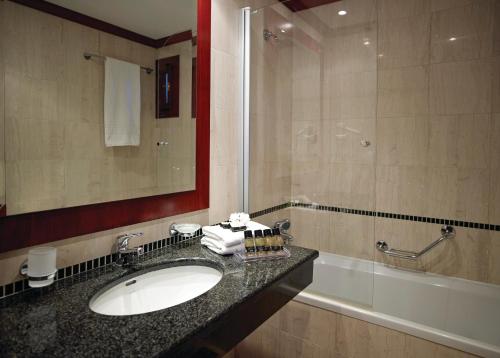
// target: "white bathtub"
[[458, 313]]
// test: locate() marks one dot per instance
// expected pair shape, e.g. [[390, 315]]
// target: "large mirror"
[[82, 88]]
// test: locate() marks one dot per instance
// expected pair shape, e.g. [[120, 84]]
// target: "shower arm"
[[447, 232]]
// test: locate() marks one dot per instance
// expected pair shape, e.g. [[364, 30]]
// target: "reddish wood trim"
[[171, 66], [89, 21], [104, 26], [30, 229], [175, 38], [3, 210], [299, 5]]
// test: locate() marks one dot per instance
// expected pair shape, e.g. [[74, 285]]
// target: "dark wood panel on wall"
[[193, 88], [298, 5], [30, 229], [167, 87], [175, 38]]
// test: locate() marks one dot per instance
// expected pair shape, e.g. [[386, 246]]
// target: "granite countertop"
[[58, 322]]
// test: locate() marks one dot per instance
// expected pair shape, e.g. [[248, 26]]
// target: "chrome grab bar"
[[447, 232]]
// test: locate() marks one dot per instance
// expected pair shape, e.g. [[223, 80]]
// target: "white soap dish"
[[186, 230]]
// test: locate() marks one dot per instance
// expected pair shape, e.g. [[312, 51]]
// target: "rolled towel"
[[215, 246], [226, 236]]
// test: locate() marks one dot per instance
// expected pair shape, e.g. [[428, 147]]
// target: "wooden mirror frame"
[[19, 231]]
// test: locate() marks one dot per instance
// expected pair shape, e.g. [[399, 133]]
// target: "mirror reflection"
[[90, 114]]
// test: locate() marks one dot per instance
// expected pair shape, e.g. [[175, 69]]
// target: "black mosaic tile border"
[[380, 214], [270, 210], [98, 262]]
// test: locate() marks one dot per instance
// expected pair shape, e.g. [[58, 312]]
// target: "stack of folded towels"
[[224, 241]]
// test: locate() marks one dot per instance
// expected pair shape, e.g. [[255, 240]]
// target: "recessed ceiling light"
[[452, 39], [366, 42], [342, 12]]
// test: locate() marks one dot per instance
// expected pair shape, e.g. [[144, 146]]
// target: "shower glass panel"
[[312, 111]]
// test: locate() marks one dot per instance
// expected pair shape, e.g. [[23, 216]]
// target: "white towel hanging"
[[122, 103]]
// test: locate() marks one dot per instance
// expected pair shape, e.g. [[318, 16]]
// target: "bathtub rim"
[[439, 336]]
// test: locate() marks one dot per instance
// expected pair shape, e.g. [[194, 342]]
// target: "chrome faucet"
[[126, 254], [284, 226]]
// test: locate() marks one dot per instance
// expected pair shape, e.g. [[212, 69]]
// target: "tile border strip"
[[19, 286], [380, 214]]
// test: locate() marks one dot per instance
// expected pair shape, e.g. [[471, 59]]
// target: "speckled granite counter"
[[57, 322]]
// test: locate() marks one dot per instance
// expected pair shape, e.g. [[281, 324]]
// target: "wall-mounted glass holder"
[[263, 255]]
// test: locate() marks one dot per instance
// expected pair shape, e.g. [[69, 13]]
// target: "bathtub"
[[454, 312]]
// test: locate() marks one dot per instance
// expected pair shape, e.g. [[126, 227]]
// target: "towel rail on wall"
[[88, 56], [447, 232]]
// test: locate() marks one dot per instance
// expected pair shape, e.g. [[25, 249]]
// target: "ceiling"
[[151, 18]]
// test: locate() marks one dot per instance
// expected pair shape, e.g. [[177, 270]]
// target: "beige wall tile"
[[496, 79], [459, 141], [494, 262], [462, 33], [352, 185], [494, 204], [309, 323], [342, 141], [393, 9], [401, 189], [460, 87], [402, 141], [496, 29], [310, 181], [403, 92], [349, 235], [404, 42], [309, 228]]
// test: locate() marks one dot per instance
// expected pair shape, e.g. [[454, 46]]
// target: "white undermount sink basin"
[[155, 290]]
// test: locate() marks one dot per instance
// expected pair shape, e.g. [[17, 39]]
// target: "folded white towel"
[[215, 246], [226, 236], [122, 103]]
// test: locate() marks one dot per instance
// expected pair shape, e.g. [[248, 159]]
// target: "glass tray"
[[263, 255]]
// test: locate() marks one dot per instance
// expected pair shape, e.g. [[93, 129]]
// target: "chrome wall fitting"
[[447, 232], [24, 272]]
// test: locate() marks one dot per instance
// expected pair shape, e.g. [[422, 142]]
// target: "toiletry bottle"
[[249, 242], [268, 240], [259, 240], [278, 240]]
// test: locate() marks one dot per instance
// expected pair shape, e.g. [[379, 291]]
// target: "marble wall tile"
[[461, 87], [462, 33], [496, 29], [310, 181], [343, 141], [403, 92], [394, 9], [403, 140], [313, 325], [403, 42], [494, 262], [350, 235], [459, 141], [352, 185], [309, 228], [401, 189], [496, 80]]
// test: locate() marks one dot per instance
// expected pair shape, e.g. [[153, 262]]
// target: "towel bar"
[[447, 232], [88, 56]]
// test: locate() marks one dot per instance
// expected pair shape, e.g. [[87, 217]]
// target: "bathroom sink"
[[155, 290]]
